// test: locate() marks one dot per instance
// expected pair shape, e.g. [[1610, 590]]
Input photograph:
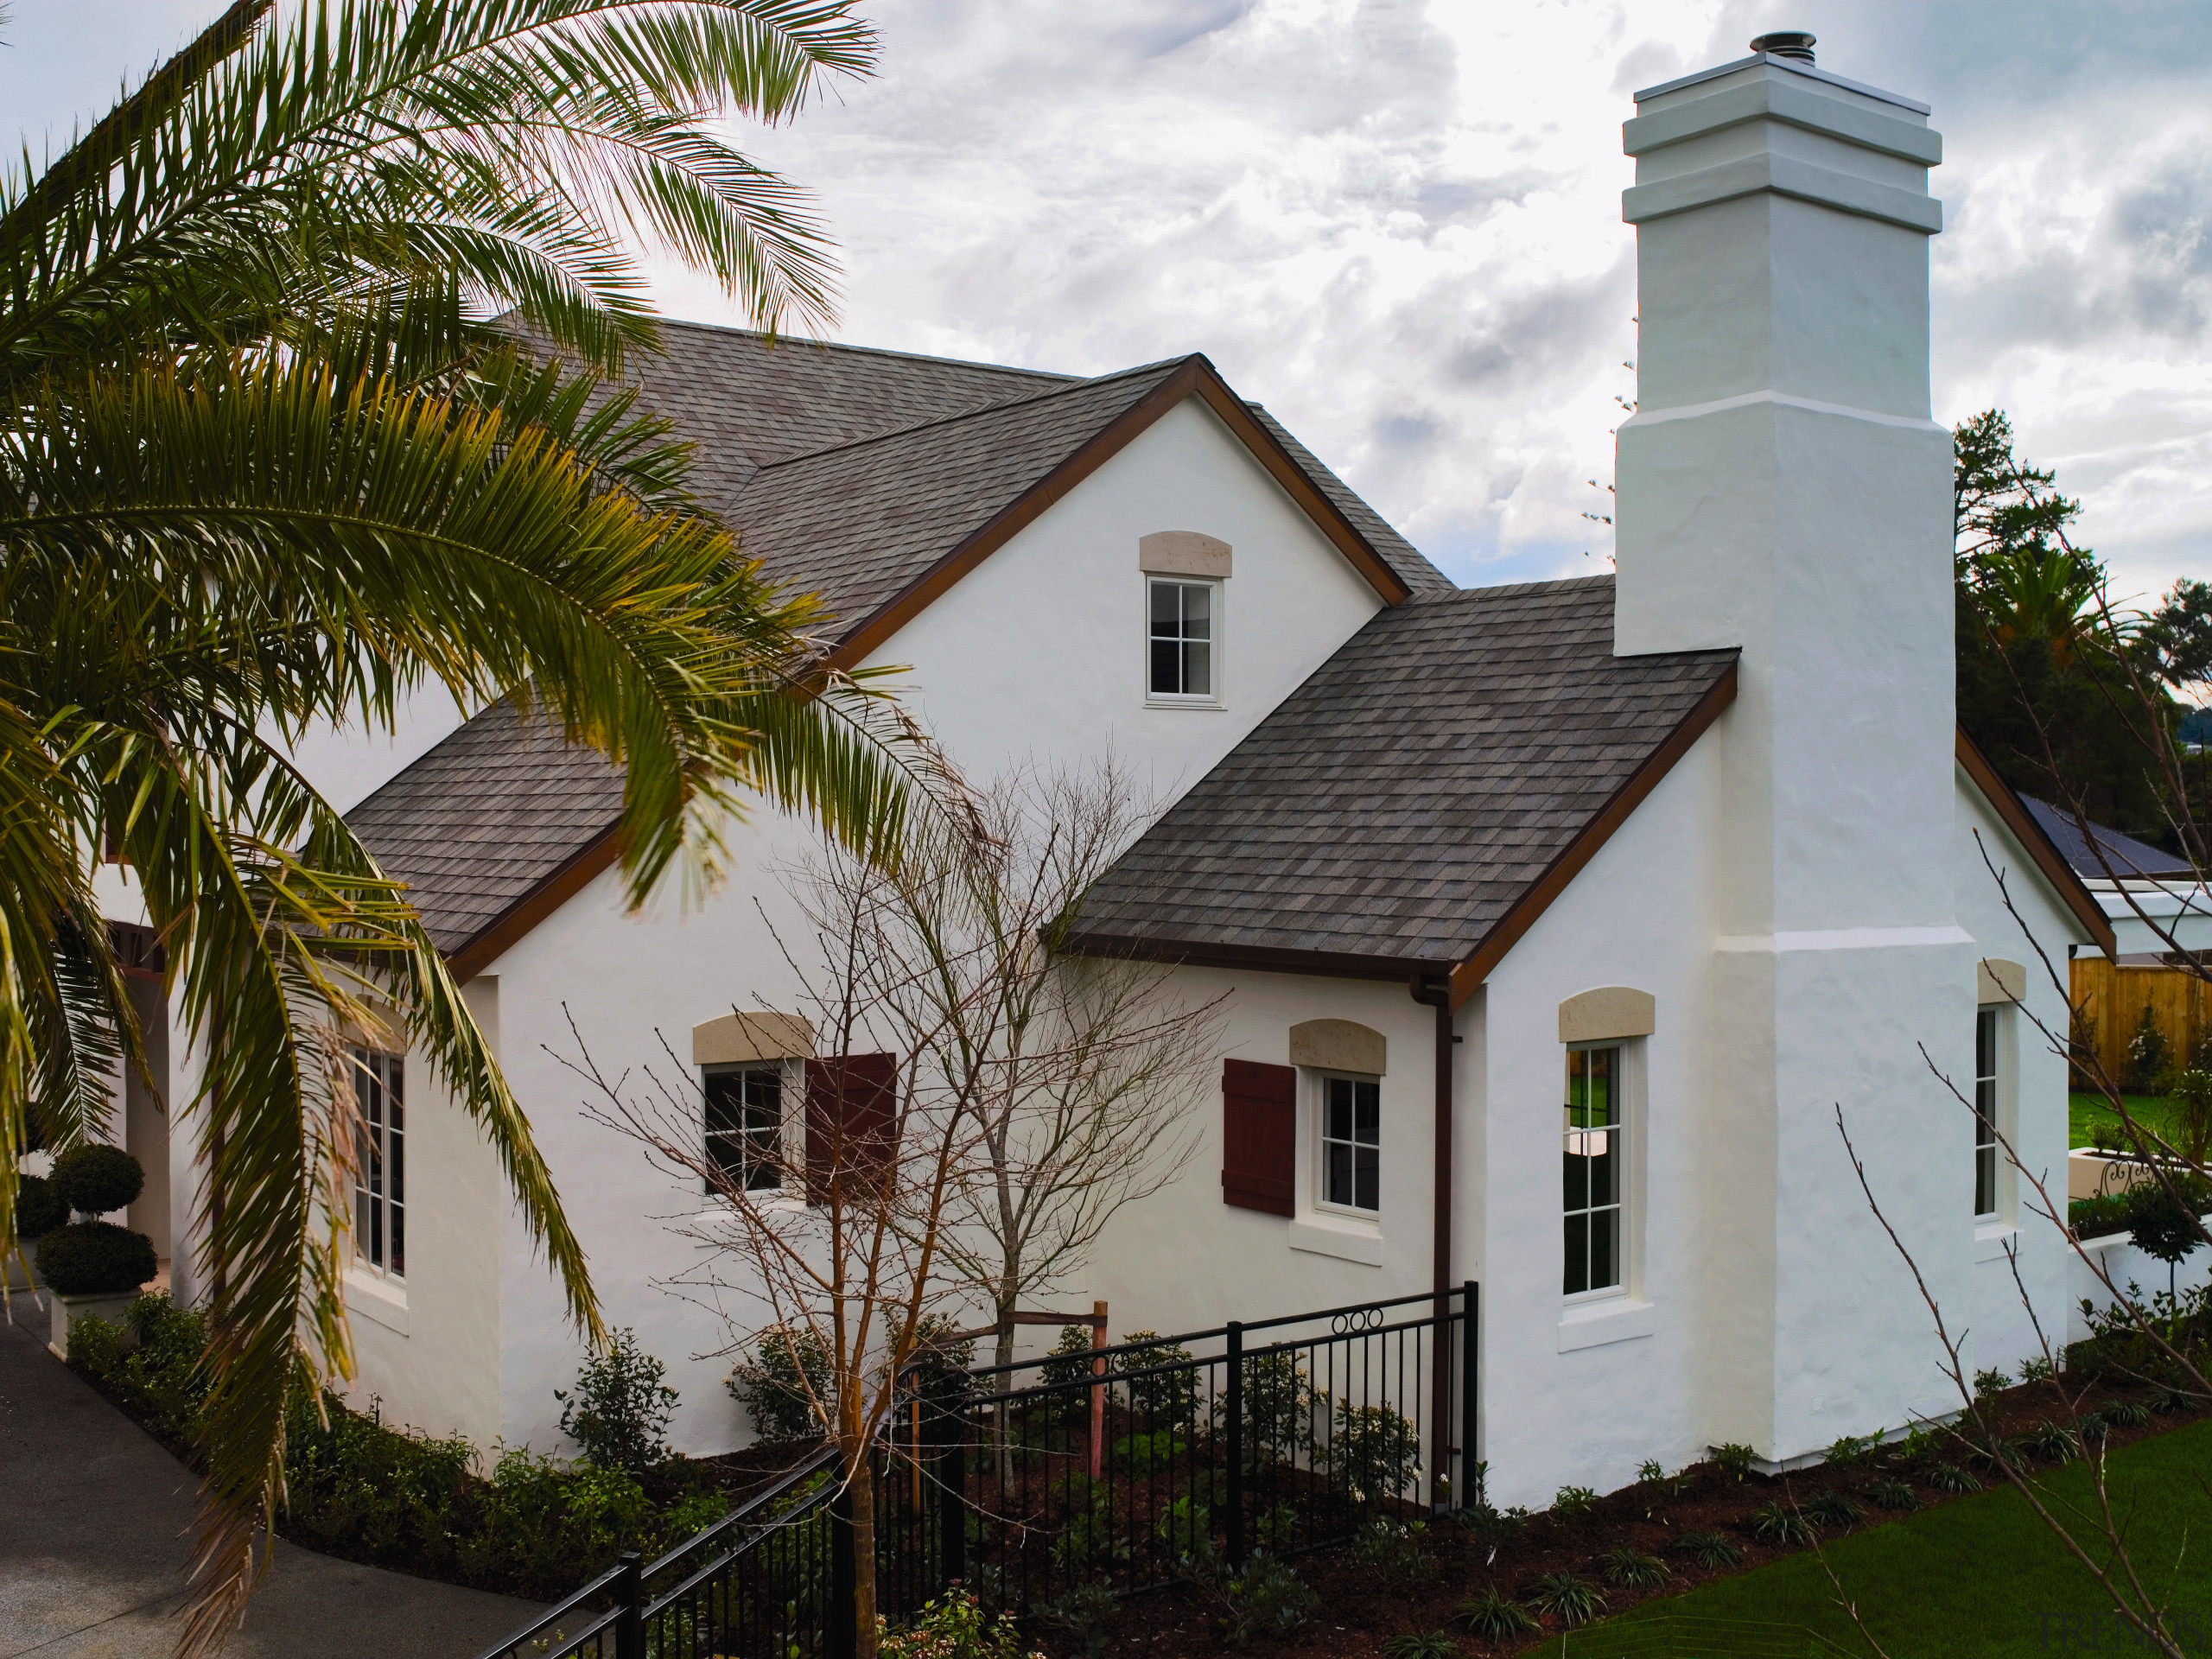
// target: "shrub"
[[1572, 1504], [1394, 1549], [1068, 1358], [38, 1208], [2036, 1369], [2099, 1216], [95, 1258], [1735, 1459], [2149, 1067], [1092, 1537], [1833, 1509], [1185, 1527], [2164, 1228], [938, 1352], [1279, 1410], [1275, 1531], [1709, 1548], [771, 1383], [95, 1179], [1778, 1523], [621, 1406], [1852, 1451], [1433, 1645], [2052, 1442], [2127, 1413], [1894, 1495], [1632, 1569], [1375, 1451], [1267, 1598], [1083, 1613], [1650, 1471], [1169, 1399], [1493, 1615], [1576, 1601], [1990, 1382], [953, 1626], [1949, 1478]]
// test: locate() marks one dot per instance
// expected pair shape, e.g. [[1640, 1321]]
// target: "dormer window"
[[1185, 637]]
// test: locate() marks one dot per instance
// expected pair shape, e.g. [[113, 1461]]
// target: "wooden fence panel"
[[2109, 1000]]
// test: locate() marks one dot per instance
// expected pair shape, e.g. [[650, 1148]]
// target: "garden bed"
[[1411, 1585]]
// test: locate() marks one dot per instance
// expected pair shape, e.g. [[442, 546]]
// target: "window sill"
[[1348, 1242], [1991, 1238], [378, 1300], [1616, 1318], [1216, 704]]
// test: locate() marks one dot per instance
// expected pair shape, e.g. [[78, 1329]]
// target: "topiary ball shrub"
[[37, 1211], [94, 1180], [95, 1258]]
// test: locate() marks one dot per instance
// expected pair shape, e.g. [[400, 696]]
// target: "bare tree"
[[836, 1222], [1083, 1071]]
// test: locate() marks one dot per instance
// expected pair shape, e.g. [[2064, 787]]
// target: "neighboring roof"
[[875, 479], [486, 819], [2125, 857], [1402, 812], [2025, 826]]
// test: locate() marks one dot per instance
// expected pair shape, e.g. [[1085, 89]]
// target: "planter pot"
[[107, 1305]]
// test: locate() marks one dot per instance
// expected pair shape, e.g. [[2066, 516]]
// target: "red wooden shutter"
[[852, 1120], [1259, 1120]]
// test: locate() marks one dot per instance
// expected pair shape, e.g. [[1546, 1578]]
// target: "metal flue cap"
[[1786, 43]]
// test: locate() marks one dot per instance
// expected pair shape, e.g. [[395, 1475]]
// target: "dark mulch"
[[1362, 1607]]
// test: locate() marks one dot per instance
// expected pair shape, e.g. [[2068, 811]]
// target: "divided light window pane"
[[1181, 640], [745, 1116], [1985, 1113], [1352, 1144], [380, 1175], [1592, 1166]]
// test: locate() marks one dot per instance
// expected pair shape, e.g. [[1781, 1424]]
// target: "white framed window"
[[380, 1167], [1183, 640], [1351, 1143], [1594, 1165], [744, 1127], [1985, 1114]]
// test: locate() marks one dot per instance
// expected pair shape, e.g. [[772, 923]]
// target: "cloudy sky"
[[1398, 224]]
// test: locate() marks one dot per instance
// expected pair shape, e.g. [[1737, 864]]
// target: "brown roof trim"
[[1331, 964], [1194, 376], [2056, 870], [1506, 932], [504, 930]]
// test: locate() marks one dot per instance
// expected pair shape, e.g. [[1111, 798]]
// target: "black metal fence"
[[1135, 1466]]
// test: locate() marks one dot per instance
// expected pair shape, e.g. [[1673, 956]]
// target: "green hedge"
[[360, 1489]]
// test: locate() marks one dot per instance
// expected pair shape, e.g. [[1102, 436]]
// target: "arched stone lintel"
[[1183, 553], [737, 1038], [1608, 1011], [1339, 1045]]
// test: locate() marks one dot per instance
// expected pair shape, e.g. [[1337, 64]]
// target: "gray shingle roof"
[[1397, 804], [483, 819], [851, 472], [2128, 857]]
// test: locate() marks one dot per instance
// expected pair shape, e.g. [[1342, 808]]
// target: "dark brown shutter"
[[1259, 1120], [852, 1120]]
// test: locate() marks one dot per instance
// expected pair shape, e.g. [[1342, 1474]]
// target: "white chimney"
[[1782, 489]]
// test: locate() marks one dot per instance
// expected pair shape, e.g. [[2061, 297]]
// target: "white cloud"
[[1398, 224]]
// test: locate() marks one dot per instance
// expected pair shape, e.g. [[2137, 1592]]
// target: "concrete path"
[[94, 1519]]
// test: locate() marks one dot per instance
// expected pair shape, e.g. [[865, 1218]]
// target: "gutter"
[[1436, 993]]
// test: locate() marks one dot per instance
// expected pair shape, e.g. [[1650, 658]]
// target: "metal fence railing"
[[1135, 1466]]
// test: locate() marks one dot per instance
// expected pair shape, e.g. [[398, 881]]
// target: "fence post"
[[842, 1621], [1463, 1489], [950, 1430], [629, 1603], [1097, 1391], [1236, 1519]]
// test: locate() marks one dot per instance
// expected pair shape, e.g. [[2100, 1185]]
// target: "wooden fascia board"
[[501, 934], [1328, 964], [2061, 875], [1193, 376], [1538, 897]]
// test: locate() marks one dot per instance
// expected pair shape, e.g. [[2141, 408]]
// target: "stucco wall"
[[1038, 655]]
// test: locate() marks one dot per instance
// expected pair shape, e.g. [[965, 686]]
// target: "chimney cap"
[[1786, 43]]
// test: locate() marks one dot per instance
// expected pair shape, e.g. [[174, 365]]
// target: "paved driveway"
[[94, 1519]]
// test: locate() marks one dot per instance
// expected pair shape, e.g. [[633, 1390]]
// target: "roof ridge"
[[970, 414], [774, 340]]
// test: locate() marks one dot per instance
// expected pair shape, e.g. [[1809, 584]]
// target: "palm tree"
[[304, 351]]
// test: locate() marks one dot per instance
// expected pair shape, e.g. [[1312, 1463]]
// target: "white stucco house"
[[1705, 828]]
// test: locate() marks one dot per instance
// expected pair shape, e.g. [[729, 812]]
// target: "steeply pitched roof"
[[875, 479], [2126, 857], [486, 818], [1394, 813]]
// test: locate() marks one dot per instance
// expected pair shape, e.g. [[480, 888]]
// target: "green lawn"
[[1972, 1579], [2086, 1112]]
